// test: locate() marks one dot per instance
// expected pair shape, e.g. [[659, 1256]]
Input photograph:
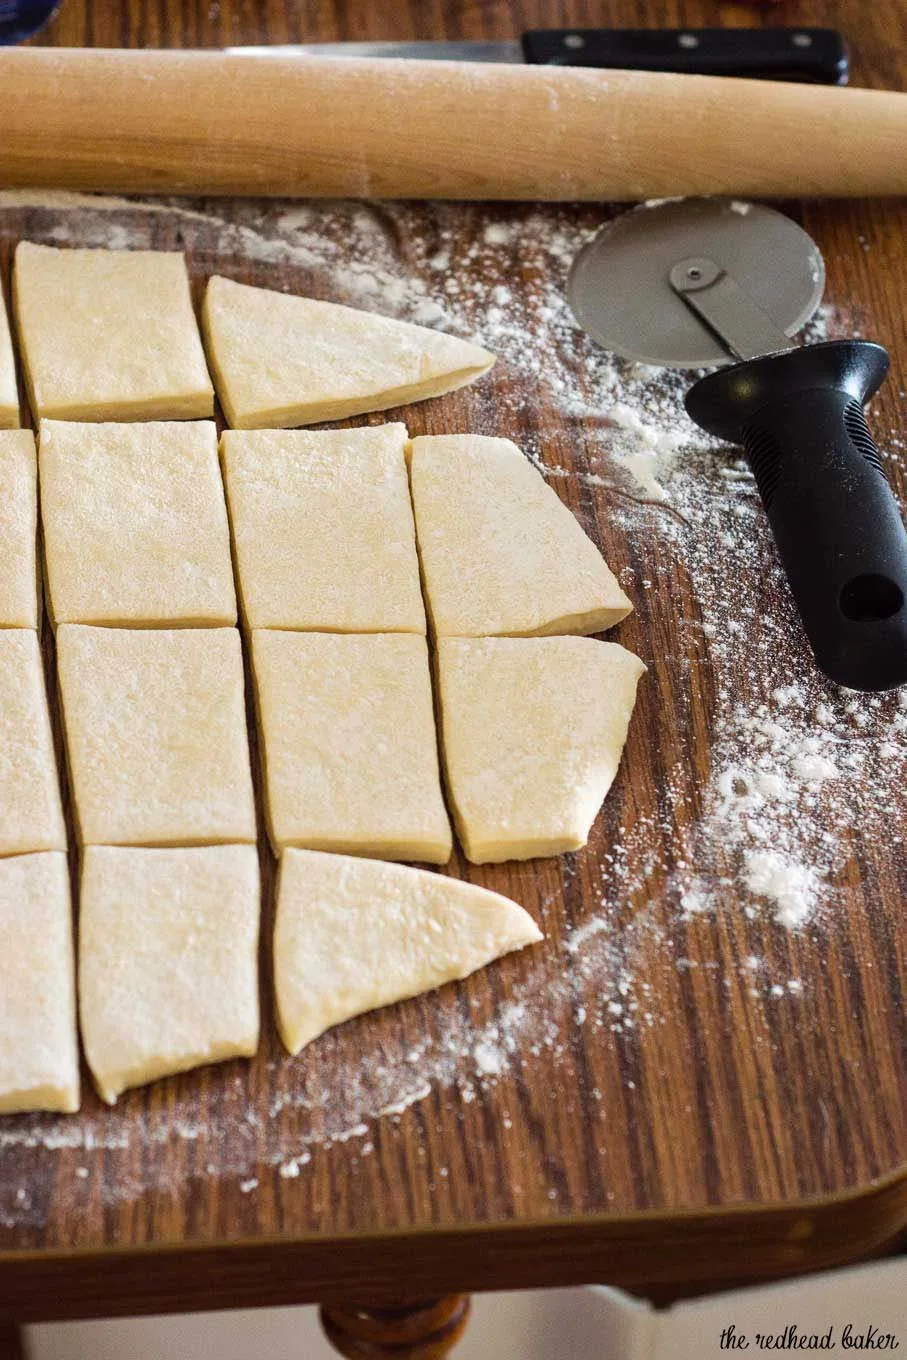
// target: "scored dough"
[[532, 733], [109, 335], [350, 751], [501, 553], [31, 811], [9, 396], [352, 935], [168, 960], [156, 734], [323, 528], [282, 360], [135, 524], [39, 1055], [18, 530]]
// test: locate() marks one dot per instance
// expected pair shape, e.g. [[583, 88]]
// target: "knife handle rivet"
[[574, 40], [802, 40], [688, 40]]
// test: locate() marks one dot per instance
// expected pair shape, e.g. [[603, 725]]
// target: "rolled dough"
[[9, 396], [109, 335], [533, 730], [135, 524], [18, 530], [501, 553], [168, 960], [351, 761], [39, 1055], [31, 812], [156, 735], [355, 934], [323, 528], [282, 360]]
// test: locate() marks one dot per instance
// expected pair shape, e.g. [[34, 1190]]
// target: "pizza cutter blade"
[[703, 282]]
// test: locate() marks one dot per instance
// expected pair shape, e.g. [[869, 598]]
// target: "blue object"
[[19, 19]]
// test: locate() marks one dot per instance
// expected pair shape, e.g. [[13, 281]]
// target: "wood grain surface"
[[739, 1135]]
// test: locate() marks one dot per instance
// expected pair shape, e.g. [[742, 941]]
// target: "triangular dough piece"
[[501, 553], [532, 734], [354, 934], [280, 360], [9, 397]]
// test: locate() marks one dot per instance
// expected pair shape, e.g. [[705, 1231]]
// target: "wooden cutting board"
[[675, 1090]]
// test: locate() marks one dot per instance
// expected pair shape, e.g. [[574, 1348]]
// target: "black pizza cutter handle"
[[799, 416]]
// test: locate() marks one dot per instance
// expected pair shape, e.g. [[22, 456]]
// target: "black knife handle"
[[805, 54], [840, 536]]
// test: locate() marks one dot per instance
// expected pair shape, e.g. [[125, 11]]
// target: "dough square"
[[280, 360], [135, 524], [109, 335], [168, 960], [31, 811], [501, 554], [9, 395], [323, 528], [532, 734], [355, 934], [156, 735], [18, 530], [39, 1054], [350, 750]]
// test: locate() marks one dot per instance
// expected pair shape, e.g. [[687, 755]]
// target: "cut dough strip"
[[533, 730], [109, 335], [31, 810], [168, 960], [282, 361], [9, 396], [501, 553], [352, 935], [323, 528], [39, 1057], [18, 530]]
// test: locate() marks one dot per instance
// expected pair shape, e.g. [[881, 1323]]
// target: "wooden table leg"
[[420, 1331], [12, 1341]]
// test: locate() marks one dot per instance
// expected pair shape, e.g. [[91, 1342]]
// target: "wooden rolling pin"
[[219, 123]]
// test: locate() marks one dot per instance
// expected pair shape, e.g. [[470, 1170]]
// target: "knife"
[[804, 54]]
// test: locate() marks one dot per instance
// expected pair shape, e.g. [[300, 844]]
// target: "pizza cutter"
[[694, 283]]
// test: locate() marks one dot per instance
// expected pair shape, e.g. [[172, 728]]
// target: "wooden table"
[[717, 1131]]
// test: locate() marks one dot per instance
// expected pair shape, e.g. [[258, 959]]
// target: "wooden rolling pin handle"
[[219, 123]]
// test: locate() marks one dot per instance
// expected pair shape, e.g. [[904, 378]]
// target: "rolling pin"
[[233, 123]]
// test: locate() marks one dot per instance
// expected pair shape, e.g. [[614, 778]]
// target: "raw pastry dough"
[[9, 397], [18, 530], [351, 761], [109, 335], [168, 960], [352, 935], [31, 812], [135, 524], [501, 553], [282, 360], [39, 1056], [323, 528], [533, 729], [156, 734]]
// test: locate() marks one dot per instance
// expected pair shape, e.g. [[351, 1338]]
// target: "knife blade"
[[804, 54]]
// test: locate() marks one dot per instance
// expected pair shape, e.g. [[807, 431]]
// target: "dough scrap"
[[168, 960], [501, 553], [31, 811], [109, 335], [323, 528], [18, 530], [280, 360], [532, 733], [351, 761], [9, 396], [156, 734], [135, 524], [352, 935], [39, 1054]]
